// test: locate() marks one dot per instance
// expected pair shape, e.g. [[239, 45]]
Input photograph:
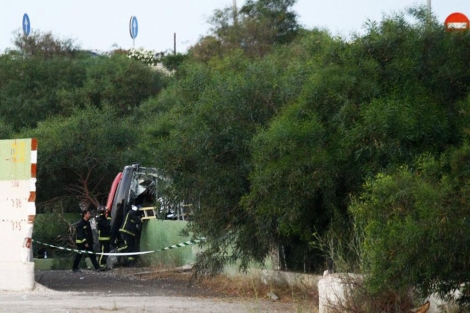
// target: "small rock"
[[273, 296]]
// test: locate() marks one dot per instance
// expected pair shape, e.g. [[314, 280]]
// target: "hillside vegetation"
[[320, 149]]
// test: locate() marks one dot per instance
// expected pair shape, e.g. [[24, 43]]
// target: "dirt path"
[[122, 291], [122, 281]]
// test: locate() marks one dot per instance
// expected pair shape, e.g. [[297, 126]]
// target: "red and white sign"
[[457, 21]]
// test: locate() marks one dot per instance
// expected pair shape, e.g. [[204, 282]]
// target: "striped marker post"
[[31, 199]]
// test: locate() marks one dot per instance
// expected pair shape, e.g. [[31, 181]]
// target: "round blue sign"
[[26, 25], [133, 27]]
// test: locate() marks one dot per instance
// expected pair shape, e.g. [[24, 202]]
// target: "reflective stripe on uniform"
[[122, 230]]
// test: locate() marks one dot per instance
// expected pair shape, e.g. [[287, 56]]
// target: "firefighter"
[[84, 241], [130, 232], [103, 222]]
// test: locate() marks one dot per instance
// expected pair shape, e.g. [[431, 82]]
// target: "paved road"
[[16, 302], [64, 291]]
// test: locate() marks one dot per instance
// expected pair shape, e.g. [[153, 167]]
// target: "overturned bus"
[[135, 185], [143, 187]]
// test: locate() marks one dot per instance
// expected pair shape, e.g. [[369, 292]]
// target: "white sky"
[[103, 24]]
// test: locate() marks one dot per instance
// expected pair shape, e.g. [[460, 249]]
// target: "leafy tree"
[[79, 156], [34, 88], [29, 86], [412, 211], [6, 130], [207, 48], [203, 141], [292, 186], [173, 61], [279, 137], [416, 228], [276, 16], [351, 111], [256, 28], [117, 81], [44, 45]]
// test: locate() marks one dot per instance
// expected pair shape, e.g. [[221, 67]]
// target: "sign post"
[[26, 24], [133, 28], [457, 22]]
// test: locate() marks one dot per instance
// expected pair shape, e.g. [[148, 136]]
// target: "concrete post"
[[17, 212]]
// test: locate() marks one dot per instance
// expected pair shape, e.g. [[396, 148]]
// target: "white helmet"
[[134, 208]]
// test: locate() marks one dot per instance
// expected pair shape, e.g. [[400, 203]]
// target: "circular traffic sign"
[[133, 27], [26, 24], [457, 21]]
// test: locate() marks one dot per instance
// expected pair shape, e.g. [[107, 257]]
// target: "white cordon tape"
[[179, 245]]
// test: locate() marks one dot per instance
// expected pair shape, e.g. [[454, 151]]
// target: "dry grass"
[[246, 287], [303, 299]]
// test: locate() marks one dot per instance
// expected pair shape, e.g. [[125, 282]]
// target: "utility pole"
[[429, 8], [235, 12]]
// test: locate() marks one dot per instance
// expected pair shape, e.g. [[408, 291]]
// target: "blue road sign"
[[26, 25], [133, 27]]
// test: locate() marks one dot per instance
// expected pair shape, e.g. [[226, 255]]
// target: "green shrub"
[[54, 229]]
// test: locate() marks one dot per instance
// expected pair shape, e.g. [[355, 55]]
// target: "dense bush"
[[55, 229], [281, 141]]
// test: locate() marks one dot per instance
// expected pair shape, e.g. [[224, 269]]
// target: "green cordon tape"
[[179, 245]]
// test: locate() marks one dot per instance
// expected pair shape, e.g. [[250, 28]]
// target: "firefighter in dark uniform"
[[103, 223], [130, 232], [84, 241]]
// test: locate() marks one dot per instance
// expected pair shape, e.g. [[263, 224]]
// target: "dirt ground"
[[131, 290], [129, 281]]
